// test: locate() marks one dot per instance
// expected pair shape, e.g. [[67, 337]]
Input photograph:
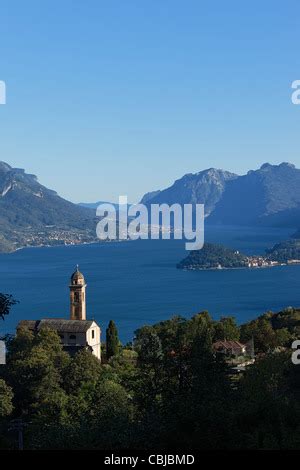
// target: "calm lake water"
[[137, 283]]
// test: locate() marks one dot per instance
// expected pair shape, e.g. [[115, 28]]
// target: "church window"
[[93, 334]]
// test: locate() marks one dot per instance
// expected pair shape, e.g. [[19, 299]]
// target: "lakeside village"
[[250, 262], [263, 262], [219, 257]]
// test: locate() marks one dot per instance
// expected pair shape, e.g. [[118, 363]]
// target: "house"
[[230, 348]]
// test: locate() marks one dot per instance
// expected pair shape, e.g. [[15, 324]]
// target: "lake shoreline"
[[239, 268], [138, 283]]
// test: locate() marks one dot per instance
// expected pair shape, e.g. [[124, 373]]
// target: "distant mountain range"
[[268, 196], [32, 215], [95, 205]]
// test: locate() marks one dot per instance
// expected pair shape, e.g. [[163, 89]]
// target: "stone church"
[[77, 332]]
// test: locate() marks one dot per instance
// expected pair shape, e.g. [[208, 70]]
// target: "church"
[[77, 332]]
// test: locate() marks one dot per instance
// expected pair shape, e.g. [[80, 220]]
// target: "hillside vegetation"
[[167, 391], [212, 256]]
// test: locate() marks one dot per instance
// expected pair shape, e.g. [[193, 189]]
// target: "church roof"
[[60, 325], [77, 275]]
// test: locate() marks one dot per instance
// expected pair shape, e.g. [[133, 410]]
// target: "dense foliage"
[[168, 390], [285, 251]]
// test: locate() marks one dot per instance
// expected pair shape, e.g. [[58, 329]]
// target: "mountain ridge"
[[207, 185], [31, 214], [267, 196]]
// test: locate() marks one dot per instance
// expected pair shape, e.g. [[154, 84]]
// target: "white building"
[[78, 332]]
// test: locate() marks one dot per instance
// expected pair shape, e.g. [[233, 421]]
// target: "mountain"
[[94, 205], [205, 187], [268, 196], [285, 251], [148, 196], [31, 214]]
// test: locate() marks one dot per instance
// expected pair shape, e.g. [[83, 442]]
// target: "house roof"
[[235, 345], [58, 324]]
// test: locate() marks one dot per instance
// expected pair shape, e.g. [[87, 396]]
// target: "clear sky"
[[124, 96]]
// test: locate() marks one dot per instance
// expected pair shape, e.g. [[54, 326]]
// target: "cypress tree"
[[112, 340]]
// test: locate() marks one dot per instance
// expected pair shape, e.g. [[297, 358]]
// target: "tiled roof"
[[228, 345], [60, 325]]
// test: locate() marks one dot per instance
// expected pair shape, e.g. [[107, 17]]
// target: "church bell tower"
[[77, 296]]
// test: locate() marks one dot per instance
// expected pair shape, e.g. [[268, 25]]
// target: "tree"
[[183, 392], [102, 422], [34, 370], [109, 399], [6, 397], [112, 340], [172, 391], [84, 368], [226, 329], [6, 302], [149, 381], [265, 337], [267, 412], [148, 346]]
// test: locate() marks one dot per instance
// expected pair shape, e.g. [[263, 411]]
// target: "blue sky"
[[124, 96]]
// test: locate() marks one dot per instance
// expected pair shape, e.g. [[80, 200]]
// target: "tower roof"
[[77, 275]]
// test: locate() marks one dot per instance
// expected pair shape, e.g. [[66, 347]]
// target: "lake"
[[137, 283]]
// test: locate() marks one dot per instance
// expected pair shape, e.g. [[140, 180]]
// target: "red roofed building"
[[229, 348]]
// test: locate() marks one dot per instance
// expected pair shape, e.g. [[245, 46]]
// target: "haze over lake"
[[137, 283]]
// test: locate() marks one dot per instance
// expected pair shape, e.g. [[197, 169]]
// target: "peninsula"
[[219, 257]]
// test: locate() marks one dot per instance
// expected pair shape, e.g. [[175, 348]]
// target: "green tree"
[[265, 337], [112, 340], [34, 370], [150, 367], [6, 397], [6, 302], [103, 423], [84, 368], [148, 346], [266, 410], [226, 329], [183, 391]]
